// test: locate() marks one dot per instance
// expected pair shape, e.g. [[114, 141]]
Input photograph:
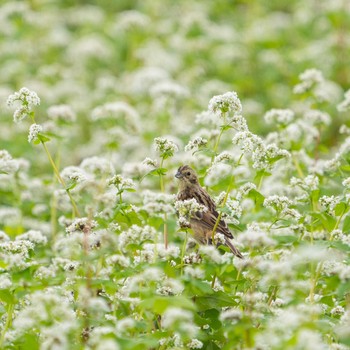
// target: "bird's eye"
[[188, 173]]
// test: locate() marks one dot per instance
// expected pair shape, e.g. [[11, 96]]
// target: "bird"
[[202, 223]]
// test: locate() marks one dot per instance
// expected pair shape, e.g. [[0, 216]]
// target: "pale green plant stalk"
[[7, 324], [165, 226], [57, 174]]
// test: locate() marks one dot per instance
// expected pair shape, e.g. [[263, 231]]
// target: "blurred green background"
[[87, 53]]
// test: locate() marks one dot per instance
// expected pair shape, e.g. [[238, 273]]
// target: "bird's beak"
[[178, 175]]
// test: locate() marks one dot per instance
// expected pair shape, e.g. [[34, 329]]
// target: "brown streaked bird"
[[204, 222]]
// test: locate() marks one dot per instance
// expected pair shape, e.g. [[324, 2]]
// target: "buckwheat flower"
[[193, 258], [317, 117], [121, 183], [225, 104], [222, 157], [34, 131], [174, 315], [210, 253], [329, 203], [33, 236], [97, 166], [277, 203], [165, 147], [255, 237], [194, 272], [118, 111], [196, 144], [344, 106], [74, 174], [232, 315], [5, 281], [216, 173], [168, 89], [81, 225], [248, 141], [4, 237], [157, 204], [194, 344], [62, 113], [26, 99], [187, 209], [150, 162], [44, 272], [124, 325], [207, 118], [245, 189], [137, 235], [132, 19], [169, 286], [309, 79], [338, 310], [280, 117], [8, 165]]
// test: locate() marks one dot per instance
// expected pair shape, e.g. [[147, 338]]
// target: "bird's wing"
[[210, 217]]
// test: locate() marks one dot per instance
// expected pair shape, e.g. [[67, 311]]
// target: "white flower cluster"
[[165, 147], [227, 103], [280, 117], [137, 235], [308, 184], [33, 236], [329, 203], [309, 79], [255, 236], [222, 157], [150, 162], [216, 173], [196, 144], [62, 113], [121, 183], [188, 209], [118, 111], [318, 118], [8, 165], [27, 99], [344, 106], [157, 204], [277, 203], [84, 225], [97, 166], [180, 319], [34, 131], [16, 253], [74, 174]]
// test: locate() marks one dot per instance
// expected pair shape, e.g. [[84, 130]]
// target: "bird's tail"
[[234, 250]]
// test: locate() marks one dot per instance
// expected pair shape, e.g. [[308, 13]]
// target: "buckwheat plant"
[[95, 251]]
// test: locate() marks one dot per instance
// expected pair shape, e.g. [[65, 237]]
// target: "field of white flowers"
[[102, 101]]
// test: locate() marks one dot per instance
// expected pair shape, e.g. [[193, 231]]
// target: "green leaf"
[[340, 208], [256, 196], [159, 304], [346, 224], [43, 138], [6, 296]]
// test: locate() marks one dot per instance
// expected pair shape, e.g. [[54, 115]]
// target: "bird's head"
[[187, 176]]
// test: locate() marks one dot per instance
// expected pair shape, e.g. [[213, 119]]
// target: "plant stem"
[[220, 214], [7, 324], [60, 180], [165, 227]]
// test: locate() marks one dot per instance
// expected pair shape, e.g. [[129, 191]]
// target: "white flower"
[[33, 236], [195, 144], [62, 113], [174, 315], [309, 79], [34, 131], [281, 117], [5, 281], [345, 104], [187, 209], [226, 103], [27, 99], [7, 164], [195, 344], [165, 147]]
